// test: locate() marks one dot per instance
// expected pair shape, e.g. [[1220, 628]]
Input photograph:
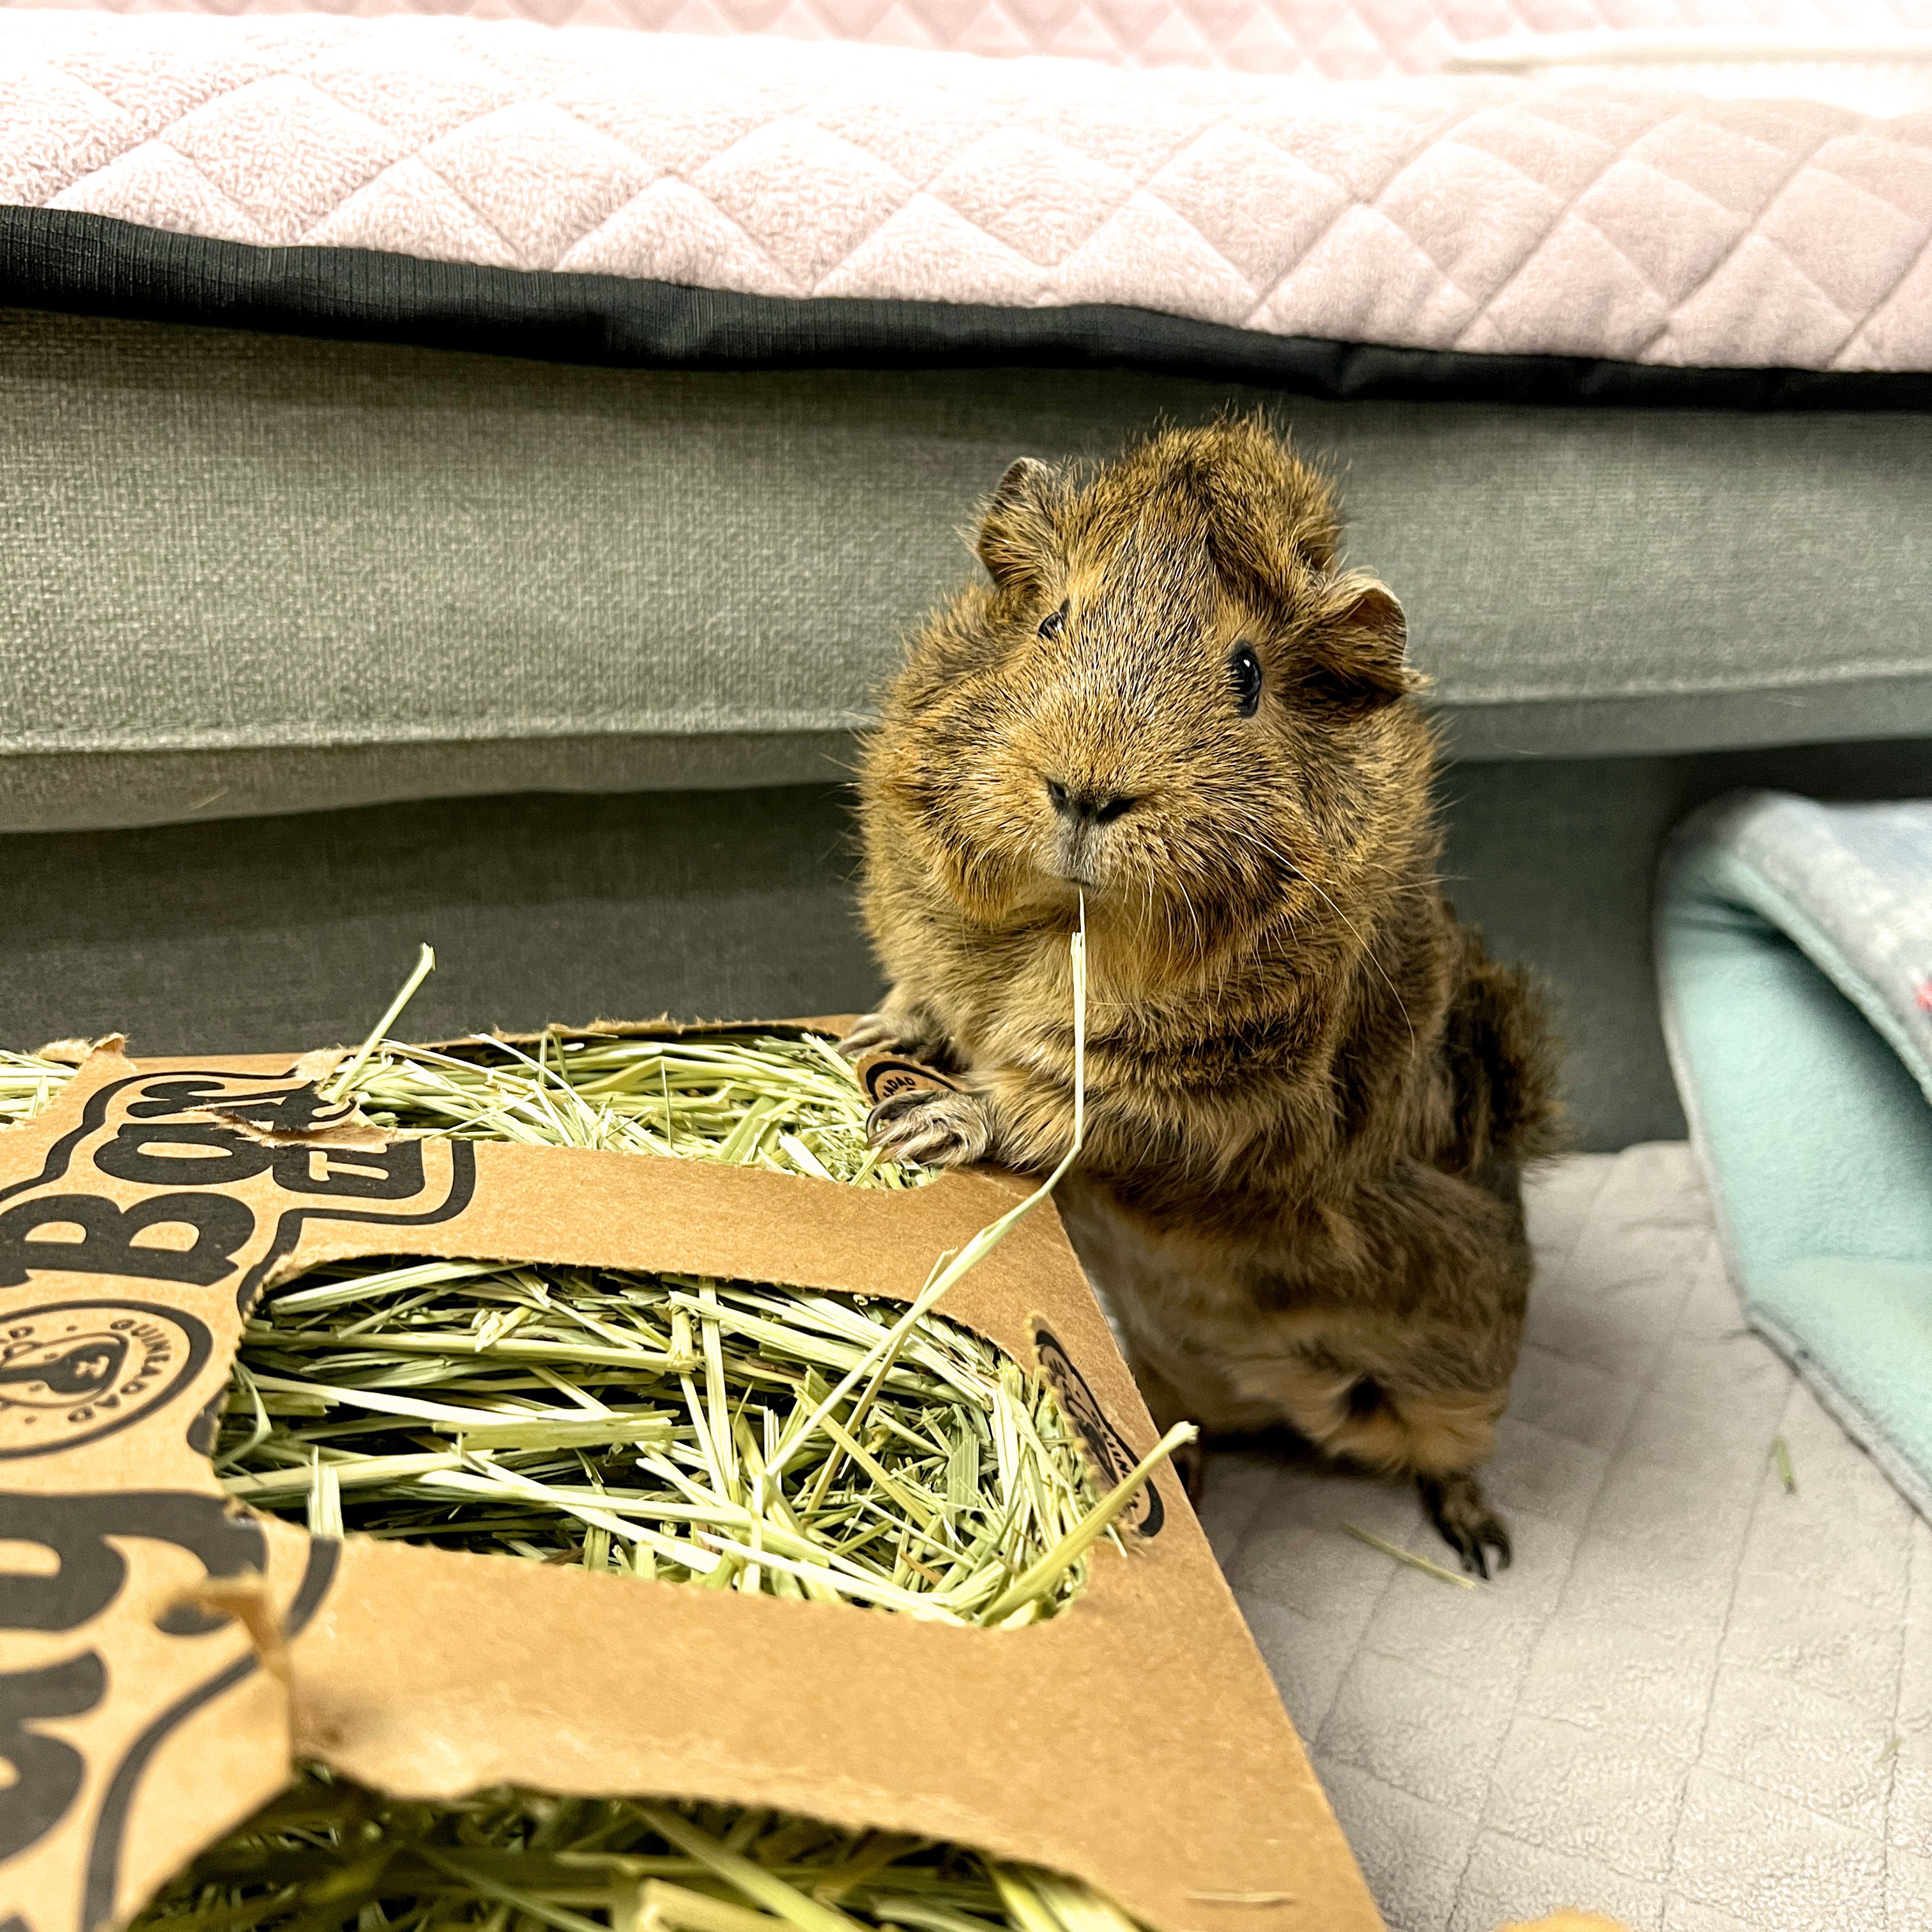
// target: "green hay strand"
[[329, 1856], [27, 1083]]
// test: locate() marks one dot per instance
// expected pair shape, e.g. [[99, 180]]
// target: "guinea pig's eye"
[[1054, 622], [1244, 673]]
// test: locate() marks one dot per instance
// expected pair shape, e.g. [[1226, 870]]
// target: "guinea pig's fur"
[[1310, 1095]]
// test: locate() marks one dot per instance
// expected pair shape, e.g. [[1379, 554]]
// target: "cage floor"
[[1697, 1701]]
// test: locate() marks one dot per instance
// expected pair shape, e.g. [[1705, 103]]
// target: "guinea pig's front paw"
[[870, 1034], [936, 1129], [910, 1034], [1466, 1522]]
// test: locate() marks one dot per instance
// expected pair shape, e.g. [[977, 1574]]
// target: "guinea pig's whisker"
[[1295, 872], [1200, 938], [1369, 953]]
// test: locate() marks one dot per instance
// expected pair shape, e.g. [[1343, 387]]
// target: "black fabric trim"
[[91, 264]]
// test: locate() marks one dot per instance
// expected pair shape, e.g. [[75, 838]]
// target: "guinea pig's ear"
[[1271, 518], [1358, 642], [1016, 534]]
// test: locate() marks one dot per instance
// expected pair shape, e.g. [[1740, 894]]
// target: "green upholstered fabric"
[[249, 574], [286, 932], [277, 932]]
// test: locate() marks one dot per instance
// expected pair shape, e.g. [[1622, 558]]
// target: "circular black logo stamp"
[[73, 1372]]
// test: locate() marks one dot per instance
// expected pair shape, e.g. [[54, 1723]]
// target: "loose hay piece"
[[327, 1855], [27, 1083], [1407, 1556]]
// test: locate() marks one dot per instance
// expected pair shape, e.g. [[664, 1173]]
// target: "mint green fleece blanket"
[[1795, 950]]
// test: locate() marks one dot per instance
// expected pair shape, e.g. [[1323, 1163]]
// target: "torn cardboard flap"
[[1133, 1741], [78, 1052], [300, 1110], [143, 1726]]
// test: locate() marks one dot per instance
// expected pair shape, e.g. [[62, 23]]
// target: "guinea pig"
[[1310, 1095]]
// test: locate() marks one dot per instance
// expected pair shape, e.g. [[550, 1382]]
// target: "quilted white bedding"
[[1471, 214], [1337, 40]]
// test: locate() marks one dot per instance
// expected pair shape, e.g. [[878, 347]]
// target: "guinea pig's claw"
[[916, 1035], [1466, 1522], [936, 1130], [875, 1030]]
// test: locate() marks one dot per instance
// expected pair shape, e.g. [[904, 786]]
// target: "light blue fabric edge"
[[1784, 1287], [1754, 890], [1905, 1476], [1799, 1008]]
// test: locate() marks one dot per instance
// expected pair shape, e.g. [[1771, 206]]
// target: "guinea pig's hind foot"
[[1466, 1522], [936, 1130]]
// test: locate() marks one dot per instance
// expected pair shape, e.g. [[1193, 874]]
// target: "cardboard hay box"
[[1134, 1741]]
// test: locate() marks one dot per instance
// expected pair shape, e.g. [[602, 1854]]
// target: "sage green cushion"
[[284, 931], [250, 574]]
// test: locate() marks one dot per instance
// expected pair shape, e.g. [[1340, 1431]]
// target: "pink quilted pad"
[[1340, 40], [1471, 214]]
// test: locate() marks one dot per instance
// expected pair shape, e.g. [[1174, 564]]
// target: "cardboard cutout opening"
[[673, 1427]]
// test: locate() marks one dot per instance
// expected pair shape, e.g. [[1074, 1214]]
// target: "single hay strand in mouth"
[[327, 1855]]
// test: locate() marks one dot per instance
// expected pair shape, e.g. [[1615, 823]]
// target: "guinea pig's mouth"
[[1073, 860]]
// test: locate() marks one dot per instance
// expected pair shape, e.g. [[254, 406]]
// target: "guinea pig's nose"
[[1092, 808]]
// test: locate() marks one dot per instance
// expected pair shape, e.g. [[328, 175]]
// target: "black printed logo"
[[299, 1109], [92, 1539], [884, 1076], [1113, 1461], [87, 1234], [74, 1370], [220, 1205], [92, 1572]]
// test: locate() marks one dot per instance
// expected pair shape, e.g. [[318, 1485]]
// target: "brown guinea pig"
[[1309, 1094]]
